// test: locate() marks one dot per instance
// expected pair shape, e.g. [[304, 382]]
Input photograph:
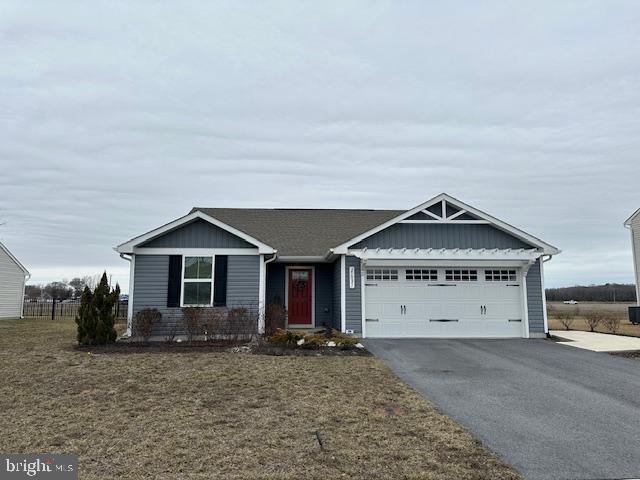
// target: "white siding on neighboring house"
[[12, 280], [635, 232]]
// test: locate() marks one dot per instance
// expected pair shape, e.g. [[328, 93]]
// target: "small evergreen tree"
[[96, 318], [85, 319]]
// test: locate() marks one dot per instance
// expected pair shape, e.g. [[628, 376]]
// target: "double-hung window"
[[197, 282]]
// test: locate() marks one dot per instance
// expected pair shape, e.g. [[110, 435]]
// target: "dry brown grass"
[[222, 415], [579, 311]]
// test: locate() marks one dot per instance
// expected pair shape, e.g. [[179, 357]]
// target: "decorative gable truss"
[[444, 212], [447, 209]]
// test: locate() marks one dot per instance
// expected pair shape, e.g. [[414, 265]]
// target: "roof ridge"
[[304, 209]]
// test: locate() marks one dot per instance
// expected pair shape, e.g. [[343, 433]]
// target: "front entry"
[[300, 296]]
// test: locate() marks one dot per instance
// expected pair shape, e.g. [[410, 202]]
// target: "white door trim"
[[313, 293]]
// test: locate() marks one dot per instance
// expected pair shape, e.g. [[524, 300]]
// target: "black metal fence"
[[66, 308]]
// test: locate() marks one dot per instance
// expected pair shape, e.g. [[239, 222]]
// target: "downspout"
[[24, 285], [544, 260], [263, 300], [636, 267], [127, 334]]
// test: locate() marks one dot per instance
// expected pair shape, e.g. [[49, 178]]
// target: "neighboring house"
[[441, 269], [633, 224], [13, 277]]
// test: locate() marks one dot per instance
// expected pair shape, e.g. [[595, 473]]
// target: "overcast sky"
[[114, 120]]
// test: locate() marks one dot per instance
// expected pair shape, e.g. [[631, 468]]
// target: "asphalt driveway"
[[551, 411]]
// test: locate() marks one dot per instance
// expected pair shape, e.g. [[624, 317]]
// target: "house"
[[13, 277], [633, 224], [441, 269]]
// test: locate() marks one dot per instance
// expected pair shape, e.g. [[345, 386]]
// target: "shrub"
[[145, 320], [192, 321], [241, 323], [95, 317], [611, 322], [593, 319], [286, 337], [566, 319], [319, 338], [215, 320], [275, 319]]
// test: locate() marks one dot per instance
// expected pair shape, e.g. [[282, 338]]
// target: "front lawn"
[[201, 415]]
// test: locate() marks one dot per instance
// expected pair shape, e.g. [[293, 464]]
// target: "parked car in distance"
[[570, 302]]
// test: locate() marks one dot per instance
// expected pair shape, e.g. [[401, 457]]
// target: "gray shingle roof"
[[301, 232]]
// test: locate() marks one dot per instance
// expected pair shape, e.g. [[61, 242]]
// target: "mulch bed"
[[202, 347], [279, 351]]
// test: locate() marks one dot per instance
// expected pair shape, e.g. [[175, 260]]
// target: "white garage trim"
[[449, 254], [478, 304]]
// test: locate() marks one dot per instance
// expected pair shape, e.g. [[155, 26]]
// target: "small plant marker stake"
[[320, 440]]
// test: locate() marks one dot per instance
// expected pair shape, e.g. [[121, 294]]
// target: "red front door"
[[300, 291]]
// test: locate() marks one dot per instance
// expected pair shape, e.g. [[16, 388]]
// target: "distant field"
[[618, 309]]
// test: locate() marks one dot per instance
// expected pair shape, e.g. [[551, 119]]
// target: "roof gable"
[[630, 220], [128, 247], [445, 209], [14, 259], [197, 234]]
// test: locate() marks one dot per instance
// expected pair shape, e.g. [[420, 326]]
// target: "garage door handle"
[[372, 319], [443, 319], [515, 320]]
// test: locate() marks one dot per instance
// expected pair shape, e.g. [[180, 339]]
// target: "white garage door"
[[443, 302]]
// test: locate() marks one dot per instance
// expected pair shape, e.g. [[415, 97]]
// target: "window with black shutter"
[[175, 280], [220, 281]]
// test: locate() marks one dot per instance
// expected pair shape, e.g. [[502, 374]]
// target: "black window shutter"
[[175, 277], [220, 281]]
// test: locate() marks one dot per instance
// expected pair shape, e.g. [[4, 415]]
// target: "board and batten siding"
[[337, 295], [535, 302], [450, 235], [198, 234], [12, 280], [151, 280], [353, 296]]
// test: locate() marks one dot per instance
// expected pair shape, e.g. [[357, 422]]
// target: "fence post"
[[53, 309]]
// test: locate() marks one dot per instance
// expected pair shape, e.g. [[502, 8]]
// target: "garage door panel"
[[470, 308]]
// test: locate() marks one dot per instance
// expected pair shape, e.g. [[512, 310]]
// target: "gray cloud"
[[115, 118]]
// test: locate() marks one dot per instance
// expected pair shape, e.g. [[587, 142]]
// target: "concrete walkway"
[[597, 342]]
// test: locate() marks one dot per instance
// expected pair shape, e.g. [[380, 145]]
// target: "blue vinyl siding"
[[151, 278], [353, 297], [535, 304], [450, 235], [198, 234], [337, 295]]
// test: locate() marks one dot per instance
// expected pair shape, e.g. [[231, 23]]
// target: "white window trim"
[[390, 269], [489, 272], [313, 294], [198, 280]]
